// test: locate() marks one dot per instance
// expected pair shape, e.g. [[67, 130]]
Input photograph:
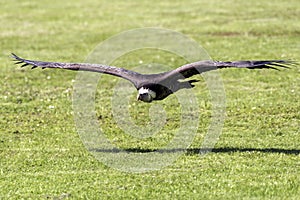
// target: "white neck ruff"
[[146, 90]]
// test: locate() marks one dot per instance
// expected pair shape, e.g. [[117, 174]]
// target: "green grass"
[[257, 155]]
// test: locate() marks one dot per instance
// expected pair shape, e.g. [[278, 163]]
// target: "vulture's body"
[[158, 86]]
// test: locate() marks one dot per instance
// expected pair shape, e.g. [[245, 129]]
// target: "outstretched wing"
[[191, 69], [115, 71]]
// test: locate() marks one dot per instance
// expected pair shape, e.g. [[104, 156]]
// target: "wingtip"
[[19, 60], [14, 56], [288, 64], [291, 61]]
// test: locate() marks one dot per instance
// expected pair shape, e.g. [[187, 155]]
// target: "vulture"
[[158, 86]]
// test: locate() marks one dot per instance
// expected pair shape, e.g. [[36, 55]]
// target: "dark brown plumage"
[[158, 86]]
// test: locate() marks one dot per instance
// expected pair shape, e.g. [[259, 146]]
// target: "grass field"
[[257, 154]]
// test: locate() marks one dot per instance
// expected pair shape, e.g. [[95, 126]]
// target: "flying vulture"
[[158, 86]]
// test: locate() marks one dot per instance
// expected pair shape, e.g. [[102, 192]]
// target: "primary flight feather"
[[158, 86]]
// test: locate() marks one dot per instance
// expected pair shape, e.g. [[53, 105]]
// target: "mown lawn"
[[257, 155]]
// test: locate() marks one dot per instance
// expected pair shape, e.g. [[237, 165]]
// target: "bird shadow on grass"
[[192, 151]]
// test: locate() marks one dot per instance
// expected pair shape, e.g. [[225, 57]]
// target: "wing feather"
[[115, 71], [199, 67]]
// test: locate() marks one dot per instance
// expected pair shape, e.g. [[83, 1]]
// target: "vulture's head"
[[146, 95]]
